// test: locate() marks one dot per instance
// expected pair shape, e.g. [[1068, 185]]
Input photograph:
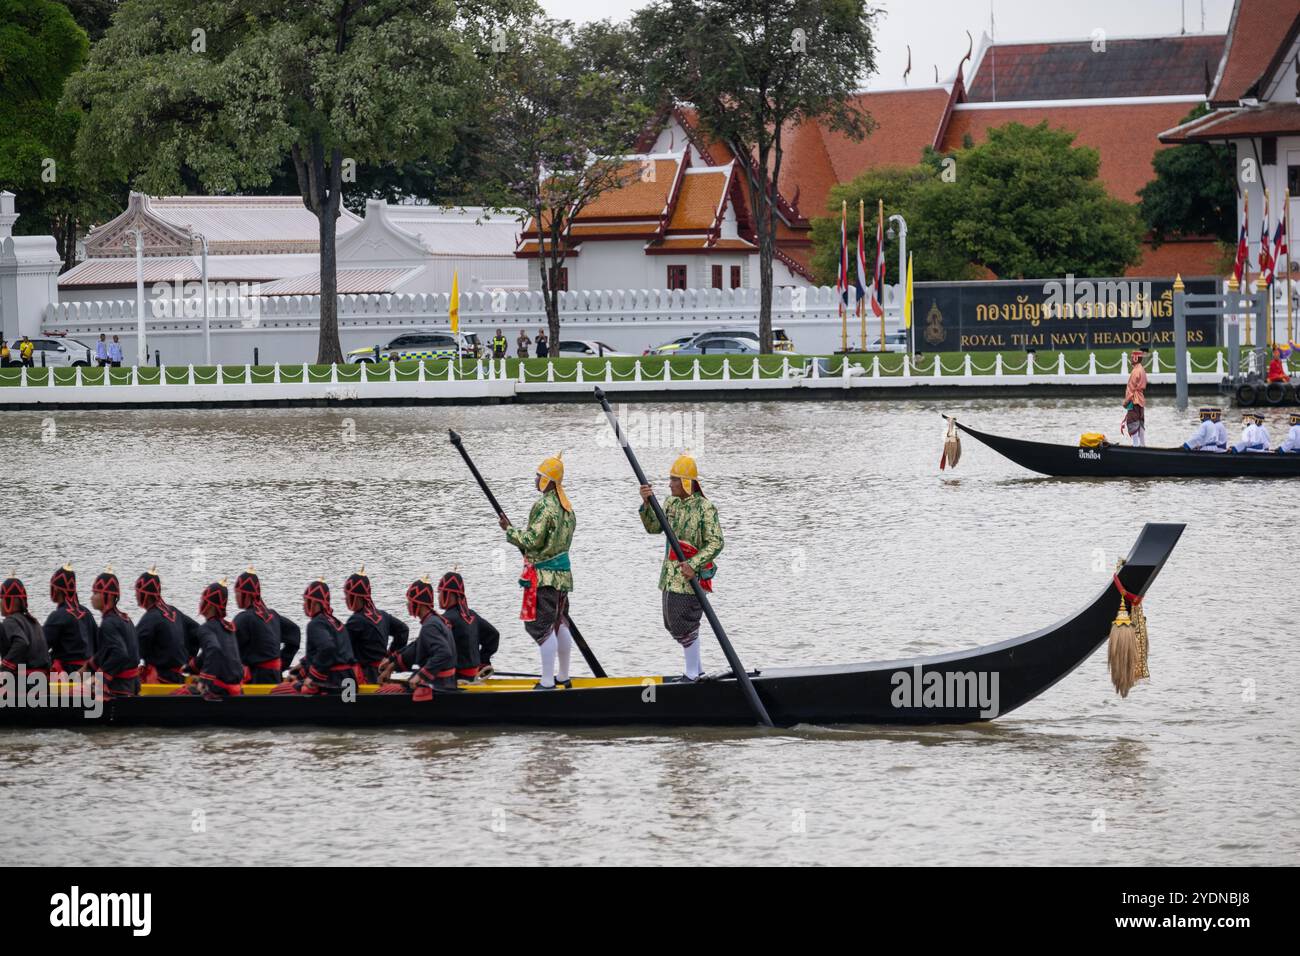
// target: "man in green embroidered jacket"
[[694, 520], [547, 578]]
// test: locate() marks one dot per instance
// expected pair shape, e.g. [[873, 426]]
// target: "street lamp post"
[[901, 232], [141, 347], [207, 325]]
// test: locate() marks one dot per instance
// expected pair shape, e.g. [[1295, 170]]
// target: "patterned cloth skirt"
[[682, 613], [552, 610]]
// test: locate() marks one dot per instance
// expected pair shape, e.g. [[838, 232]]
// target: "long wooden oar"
[[737, 668], [578, 639]]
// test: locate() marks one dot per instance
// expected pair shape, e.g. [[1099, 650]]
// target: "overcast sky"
[[935, 28]]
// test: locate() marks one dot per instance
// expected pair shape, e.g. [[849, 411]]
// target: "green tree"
[[754, 69], [913, 192], [1193, 192], [40, 47], [563, 119], [1027, 203], [183, 95]]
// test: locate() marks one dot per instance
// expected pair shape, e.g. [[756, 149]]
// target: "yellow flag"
[[454, 309], [907, 295]]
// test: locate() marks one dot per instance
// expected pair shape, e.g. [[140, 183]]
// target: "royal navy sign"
[[1053, 315]]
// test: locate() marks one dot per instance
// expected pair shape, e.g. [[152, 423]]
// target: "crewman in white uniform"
[[1207, 435], [1220, 431], [1291, 444], [1254, 436]]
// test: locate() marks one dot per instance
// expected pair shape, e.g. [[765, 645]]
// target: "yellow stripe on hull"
[[488, 686]]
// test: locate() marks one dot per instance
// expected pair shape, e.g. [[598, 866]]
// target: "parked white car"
[[56, 350], [586, 347]]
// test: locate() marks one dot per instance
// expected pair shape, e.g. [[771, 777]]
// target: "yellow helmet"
[[685, 469], [552, 469]]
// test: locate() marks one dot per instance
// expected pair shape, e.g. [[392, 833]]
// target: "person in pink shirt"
[[1135, 400]]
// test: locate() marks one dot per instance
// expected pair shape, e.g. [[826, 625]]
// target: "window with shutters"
[[677, 277], [735, 277], [560, 279], [717, 277]]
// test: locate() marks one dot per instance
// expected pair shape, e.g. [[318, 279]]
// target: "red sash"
[[233, 690], [528, 581], [689, 550]]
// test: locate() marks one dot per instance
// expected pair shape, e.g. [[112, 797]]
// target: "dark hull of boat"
[[887, 692], [1122, 461]]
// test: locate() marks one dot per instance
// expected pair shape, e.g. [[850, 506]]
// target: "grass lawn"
[[621, 368]]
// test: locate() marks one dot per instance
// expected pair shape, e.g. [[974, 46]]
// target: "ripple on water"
[[844, 543]]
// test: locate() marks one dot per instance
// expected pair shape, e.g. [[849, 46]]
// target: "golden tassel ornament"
[[951, 447], [1122, 652], [1139, 616]]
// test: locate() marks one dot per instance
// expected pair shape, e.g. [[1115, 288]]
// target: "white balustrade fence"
[[285, 328], [493, 381]]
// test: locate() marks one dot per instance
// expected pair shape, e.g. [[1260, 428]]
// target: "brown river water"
[[844, 542]]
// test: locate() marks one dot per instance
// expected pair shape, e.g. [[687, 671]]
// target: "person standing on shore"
[[1135, 401], [101, 350], [547, 578], [543, 348], [499, 345], [694, 520], [522, 343], [26, 348], [115, 352]]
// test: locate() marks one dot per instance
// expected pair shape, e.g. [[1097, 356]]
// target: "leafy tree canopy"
[[1025, 203], [1192, 193]]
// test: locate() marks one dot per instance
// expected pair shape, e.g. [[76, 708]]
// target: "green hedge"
[[681, 367]]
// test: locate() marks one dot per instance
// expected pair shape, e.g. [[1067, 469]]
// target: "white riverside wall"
[[285, 328]]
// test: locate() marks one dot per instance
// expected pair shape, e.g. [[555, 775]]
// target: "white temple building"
[[269, 245]]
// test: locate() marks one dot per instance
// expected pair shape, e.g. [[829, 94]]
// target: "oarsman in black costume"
[[168, 638], [117, 652], [221, 674], [476, 639], [22, 642], [432, 655], [258, 632], [374, 633], [329, 660], [70, 629]]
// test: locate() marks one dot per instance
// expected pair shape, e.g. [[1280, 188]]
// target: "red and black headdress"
[[317, 597], [249, 585], [13, 596], [63, 586], [109, 590], [420, 595], [148, 593], [357, 587], [452, 586], [212, 603]]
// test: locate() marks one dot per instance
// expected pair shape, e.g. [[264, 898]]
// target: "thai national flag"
[[842, 281], [1279, 250], [1239, 263], [1265, 257], [860, 263], [878, 279]]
